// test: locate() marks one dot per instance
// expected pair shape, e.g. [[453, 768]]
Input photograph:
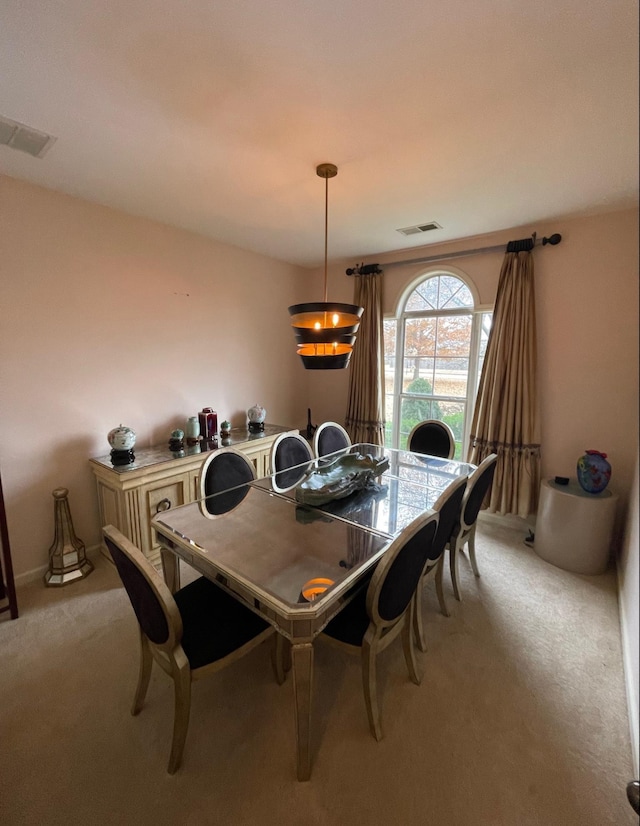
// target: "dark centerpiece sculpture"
[[340, 478]]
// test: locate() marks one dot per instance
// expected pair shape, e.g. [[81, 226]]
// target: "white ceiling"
[[212, 116]]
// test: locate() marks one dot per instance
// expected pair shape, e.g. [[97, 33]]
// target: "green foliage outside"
[[417, 410]]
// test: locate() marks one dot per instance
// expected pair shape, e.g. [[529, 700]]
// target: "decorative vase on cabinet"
[[122, 439], [256, 415]]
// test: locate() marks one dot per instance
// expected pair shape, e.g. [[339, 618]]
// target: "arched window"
[[433, 353]]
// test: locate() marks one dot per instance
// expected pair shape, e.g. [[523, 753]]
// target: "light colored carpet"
[[520, 718]]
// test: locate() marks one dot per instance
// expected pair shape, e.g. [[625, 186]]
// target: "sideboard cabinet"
[[129, 496]]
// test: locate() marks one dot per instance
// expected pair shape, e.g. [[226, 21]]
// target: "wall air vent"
[[24, 138], [420, 228]]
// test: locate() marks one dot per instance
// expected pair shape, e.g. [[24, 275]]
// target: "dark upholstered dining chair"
[[433, 438], [290, 458], [227, 470], [465, 531], [384, 609], [329, 437], [449, 508], [198, 630]]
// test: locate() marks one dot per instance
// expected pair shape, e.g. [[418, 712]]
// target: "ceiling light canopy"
[[325, 331]]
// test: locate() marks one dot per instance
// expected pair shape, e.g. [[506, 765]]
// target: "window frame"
[[477, 311]]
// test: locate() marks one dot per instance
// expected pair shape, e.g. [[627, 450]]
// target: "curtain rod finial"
[[553, 239], [364, 269]]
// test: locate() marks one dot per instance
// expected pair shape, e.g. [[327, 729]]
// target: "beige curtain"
[[365, 418], [505, 419]]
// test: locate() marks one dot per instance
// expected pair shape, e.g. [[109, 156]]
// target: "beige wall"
[[109, 319], [629, 585]]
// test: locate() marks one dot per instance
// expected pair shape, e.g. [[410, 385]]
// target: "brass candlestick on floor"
[[67, 557]]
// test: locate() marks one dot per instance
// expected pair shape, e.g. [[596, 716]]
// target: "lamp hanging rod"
[[512, 246], [326, 171]]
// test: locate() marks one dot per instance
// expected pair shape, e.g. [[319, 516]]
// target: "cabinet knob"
[[163, 505]]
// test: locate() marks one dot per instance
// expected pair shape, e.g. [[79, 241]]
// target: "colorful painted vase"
[[594, 472]]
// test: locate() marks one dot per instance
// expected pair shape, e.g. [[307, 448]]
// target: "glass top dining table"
[[259, 542]]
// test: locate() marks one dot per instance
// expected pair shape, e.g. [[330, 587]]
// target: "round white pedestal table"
[[574, 528]]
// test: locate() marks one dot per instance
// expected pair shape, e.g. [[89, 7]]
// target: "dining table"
[[297, 558]]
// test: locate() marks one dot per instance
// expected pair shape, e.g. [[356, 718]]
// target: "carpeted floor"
[[520, 719]]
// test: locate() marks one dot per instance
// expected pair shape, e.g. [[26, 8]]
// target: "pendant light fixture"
[[325, 331]]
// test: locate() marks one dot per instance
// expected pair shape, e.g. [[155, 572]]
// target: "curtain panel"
[[365, 418], [506, 418]]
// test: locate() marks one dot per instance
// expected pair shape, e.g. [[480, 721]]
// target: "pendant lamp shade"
[[325, 331]]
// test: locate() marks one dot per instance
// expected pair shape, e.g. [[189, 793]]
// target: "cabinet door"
[[257, 457], [161, 496]]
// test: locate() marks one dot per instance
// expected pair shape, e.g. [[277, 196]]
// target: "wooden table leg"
[[302, 661], [170, 570]]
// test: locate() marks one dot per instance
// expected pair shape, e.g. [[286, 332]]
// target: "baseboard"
[[509, 520], [632, 699], [38, 573]]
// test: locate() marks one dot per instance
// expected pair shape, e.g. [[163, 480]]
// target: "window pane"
[[439, 292], [413, 411], [424, 297], [485, 328], [453, 336], [453, 413], [450, 377], [453, 293], [420, 339], [389, 328]]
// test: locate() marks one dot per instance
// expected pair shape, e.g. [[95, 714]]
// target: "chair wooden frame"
[[466, 532], [170, 655], [273, 454], [319, 430], [443, 426], [381, 633], [215, 456], [435, 566]]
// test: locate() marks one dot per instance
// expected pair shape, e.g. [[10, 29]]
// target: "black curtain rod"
[[512, 246]]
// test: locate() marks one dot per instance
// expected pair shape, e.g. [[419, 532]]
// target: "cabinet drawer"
[[162, 496]]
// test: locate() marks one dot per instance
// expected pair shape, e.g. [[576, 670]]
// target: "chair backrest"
[[228, 470], [288, 452], [449, 506], [329, 437], [433, 438], [154, 606], [477, 487], [396, 578]]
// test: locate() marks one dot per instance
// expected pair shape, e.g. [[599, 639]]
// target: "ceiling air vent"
[[420, 228], [18, 136]]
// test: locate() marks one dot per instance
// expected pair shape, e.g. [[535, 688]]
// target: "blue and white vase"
[[594, 472]]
